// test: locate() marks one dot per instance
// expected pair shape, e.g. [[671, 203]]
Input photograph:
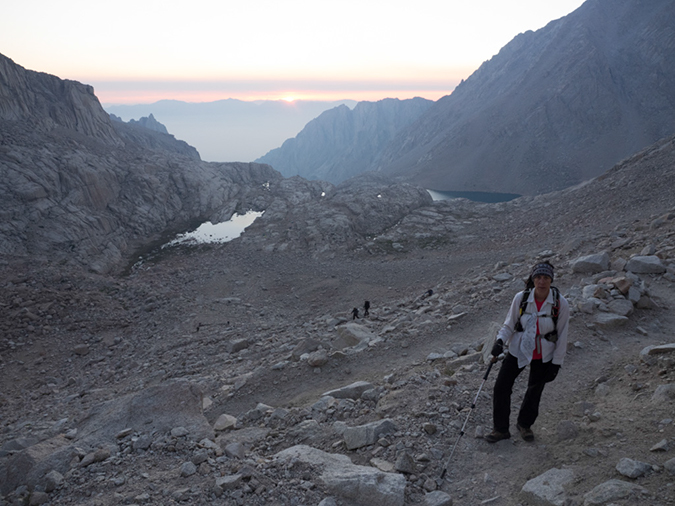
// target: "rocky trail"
[[200, 376]]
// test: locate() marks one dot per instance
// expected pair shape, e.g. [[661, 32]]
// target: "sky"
[[142, 51]]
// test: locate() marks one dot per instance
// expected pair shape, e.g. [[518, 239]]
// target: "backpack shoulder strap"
[[555, 311], [523, 302], [521, 310]]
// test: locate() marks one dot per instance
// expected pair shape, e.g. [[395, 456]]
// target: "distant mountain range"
[[341, 142], [555, 107], [230, 130]]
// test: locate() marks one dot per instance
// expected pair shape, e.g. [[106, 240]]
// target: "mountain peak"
[[553, 108], [344, 142]]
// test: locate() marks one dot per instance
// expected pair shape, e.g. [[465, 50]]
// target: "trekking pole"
[[473, 405]]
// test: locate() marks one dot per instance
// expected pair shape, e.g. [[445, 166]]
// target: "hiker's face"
[[542, 282]]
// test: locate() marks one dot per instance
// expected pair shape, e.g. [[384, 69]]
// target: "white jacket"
[[514, 340]]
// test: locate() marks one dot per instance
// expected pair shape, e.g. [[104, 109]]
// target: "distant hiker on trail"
[[366, 309], [355, 313], [535, 333]]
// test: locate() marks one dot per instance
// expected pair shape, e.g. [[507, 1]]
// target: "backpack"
[[555, 311]]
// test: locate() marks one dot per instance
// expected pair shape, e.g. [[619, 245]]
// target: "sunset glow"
[[134, 92], [205, 51], [108, 94]]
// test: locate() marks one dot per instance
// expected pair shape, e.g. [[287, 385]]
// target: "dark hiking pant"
[[529, 409]]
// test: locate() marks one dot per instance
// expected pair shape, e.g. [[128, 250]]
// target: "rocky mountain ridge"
[[150, 134], [79, 187], [46, 103], [555, 107], [149, 122], [343, 142]]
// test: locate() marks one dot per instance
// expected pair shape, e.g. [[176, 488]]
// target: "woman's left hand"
[[551, 372]]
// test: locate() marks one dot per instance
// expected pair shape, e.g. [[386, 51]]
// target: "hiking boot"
[[495, 436], [526, 433]]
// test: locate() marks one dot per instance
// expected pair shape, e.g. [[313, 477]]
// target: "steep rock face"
[[97, 206], [74, 187], [151, 134], [341, 142], [150, 123], [47, 103], [553, 108]]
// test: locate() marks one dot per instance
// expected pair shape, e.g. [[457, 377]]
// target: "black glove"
[[551, 372], [498, 348]]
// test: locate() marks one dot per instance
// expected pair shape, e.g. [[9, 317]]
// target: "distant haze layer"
[[230, 130], [140, 52]]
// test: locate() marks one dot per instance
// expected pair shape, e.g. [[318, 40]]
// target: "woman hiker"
[[535, 333]]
